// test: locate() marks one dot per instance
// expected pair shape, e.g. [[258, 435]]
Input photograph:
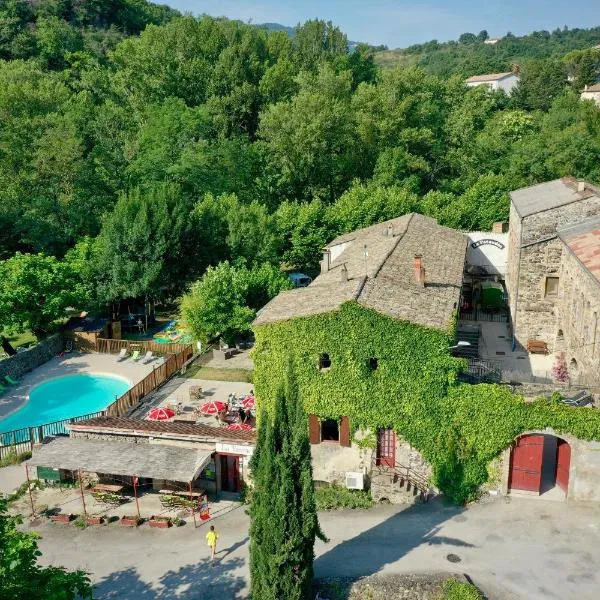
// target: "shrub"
[[335, 496], [12, 458], [459, 590]]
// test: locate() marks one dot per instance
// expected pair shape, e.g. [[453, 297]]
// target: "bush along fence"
[[178, 356]]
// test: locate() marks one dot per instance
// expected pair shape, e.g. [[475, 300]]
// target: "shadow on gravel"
[[200, 581], [370, 551]]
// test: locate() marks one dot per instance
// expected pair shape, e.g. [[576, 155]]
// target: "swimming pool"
[[66, 397]]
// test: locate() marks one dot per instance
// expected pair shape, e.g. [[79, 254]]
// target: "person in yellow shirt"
[[211, 539]]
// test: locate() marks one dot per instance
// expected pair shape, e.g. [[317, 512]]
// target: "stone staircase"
[[399, 485]]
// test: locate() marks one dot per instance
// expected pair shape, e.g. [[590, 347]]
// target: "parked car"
[[300, 279]]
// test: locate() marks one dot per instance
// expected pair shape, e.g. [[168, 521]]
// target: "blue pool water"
[[66, 397]]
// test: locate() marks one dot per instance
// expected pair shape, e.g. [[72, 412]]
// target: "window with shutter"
[[314, 429], [345, 432]]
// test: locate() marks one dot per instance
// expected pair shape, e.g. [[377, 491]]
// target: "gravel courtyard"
[[513, 549]]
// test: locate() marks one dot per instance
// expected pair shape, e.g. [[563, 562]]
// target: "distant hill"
[[470, 55], [292, 30]]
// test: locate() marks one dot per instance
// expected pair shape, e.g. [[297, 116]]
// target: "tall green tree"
[[20, 574], [284, 522]]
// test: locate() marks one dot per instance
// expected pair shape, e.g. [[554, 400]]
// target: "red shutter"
[[314, 429], [345, 432]]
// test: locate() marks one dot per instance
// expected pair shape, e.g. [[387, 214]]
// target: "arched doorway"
[[540, 464]]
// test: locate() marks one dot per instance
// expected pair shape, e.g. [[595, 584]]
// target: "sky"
[[400, 23]]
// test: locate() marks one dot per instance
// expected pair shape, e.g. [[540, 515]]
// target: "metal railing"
[[407, 475]]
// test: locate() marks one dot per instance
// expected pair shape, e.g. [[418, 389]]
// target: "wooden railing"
[[132, 398], [107, 346]]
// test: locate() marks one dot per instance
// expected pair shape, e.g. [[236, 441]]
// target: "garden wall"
[[27, 360]]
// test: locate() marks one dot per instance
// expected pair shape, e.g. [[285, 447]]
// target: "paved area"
[[96, 363], [514, 549], [241, 360], [11, 478]]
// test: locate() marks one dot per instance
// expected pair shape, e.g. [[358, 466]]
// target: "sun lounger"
[[148, 357], [135, 356], [123, 354], [10, 380]]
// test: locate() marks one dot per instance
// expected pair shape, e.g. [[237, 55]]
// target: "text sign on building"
[[487, 242], [235, 449]]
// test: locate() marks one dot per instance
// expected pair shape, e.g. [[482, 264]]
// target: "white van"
[[300, 280]]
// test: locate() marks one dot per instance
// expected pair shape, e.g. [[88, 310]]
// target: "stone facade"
[[27, 360], [535, 253]]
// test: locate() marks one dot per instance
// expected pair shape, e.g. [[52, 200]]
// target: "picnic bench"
[[106, 487], [537, 347], [184, 493]]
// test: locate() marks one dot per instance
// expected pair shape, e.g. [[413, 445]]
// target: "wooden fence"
[[107, 346]]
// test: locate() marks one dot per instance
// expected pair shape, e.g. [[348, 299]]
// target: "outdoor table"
[[106, 487], [184, 493]]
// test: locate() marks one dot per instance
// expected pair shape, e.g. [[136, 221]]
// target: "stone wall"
[[331, 461], [578, 319], [535, 252], [27, 360]]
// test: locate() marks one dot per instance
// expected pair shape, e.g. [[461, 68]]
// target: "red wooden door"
[[386, 447], [563, 463], [230, 473], [526, 463]]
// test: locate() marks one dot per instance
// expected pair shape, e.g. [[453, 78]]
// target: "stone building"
[[536, 253], [409, 271], [591, 92], [495, 81]]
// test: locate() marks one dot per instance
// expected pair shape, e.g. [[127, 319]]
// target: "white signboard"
[[235, 449]]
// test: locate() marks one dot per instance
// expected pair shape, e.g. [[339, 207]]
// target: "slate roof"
[[583, 240], [385, 281], [192, 431], [488, 77], [157, 461], [591, 88], [551, 194]]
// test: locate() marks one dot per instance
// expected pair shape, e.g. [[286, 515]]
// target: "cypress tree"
[[283, 510]]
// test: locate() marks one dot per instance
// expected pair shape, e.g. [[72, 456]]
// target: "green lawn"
[[21, 339], [202, 372]]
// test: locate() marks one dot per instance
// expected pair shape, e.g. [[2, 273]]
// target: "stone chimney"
[[344, 273], [419, 270], [325, 263], [499, 227], [581, 186], [390, 230]]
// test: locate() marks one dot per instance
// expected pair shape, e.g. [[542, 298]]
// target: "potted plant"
[[94, 520], [62, 517], [130, 521], [162, 522]]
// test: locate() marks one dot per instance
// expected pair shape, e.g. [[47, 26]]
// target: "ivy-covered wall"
[[458, 428]]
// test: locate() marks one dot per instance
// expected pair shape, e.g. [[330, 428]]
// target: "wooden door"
[[230, 473], [526, 463], [563, 464], [386, 447]]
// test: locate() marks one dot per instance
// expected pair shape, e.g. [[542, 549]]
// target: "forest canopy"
[[140, 147]]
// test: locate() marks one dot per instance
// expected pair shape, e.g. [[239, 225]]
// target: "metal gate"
[[386, 447], [563, 463], [526, 463]]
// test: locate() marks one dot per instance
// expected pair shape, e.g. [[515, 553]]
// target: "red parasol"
[[239, 427], [161, 414], [249, 402], [213, 408]]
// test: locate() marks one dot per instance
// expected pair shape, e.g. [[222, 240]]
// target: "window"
[[372, 363], [551, 287], [330, 430], [324, 362]]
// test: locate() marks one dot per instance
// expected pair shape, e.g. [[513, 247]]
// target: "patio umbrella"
[[249, 402], [213, 408], [161, 414], [239, 427]]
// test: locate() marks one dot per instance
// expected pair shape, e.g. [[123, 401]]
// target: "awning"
[[156, 461]]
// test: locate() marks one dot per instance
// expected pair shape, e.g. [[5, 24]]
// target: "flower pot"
[[62, 518], [94, 520], [160, 522], [128, 521]]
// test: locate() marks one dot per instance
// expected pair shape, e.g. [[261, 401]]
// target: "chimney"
[[419, 270], [390, 230], [344, 273], [581, 186], [499, 227], [325, 262]]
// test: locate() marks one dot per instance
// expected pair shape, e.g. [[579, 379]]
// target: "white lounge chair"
[[123, 354], [148, 357]]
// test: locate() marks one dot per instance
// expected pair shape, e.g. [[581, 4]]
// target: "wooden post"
[[82, 495], [29, 490], [135, 484], [193, 511]]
